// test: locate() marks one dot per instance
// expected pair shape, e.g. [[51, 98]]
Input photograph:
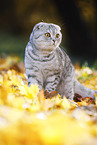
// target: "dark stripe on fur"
[[38, 36], [44, 60], [31, 76]]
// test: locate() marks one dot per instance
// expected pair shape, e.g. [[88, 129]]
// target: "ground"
[[27, 118]]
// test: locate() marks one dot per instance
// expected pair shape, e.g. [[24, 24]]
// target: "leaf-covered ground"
[[27, 118]]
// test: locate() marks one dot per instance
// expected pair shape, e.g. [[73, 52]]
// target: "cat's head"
[[46, 36]]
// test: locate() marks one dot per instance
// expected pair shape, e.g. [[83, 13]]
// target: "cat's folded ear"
[[38, 26], [59, 28]]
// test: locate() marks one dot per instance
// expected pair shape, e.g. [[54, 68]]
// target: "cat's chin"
[[52, 47], [47, 48]]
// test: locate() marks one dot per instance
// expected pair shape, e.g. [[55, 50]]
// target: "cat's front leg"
[[34, 78], [52, 82]]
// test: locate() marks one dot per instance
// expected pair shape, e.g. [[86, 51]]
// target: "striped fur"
[[48, 65]]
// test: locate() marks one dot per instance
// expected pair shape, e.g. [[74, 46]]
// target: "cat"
[[49, 66]]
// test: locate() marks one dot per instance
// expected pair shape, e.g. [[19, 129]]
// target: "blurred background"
[[77, 18]]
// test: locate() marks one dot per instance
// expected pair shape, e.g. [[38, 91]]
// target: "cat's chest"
[[53, 66], [49, 65]]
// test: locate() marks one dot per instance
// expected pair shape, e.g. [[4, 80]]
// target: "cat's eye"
[[57, 35], [47, 34]]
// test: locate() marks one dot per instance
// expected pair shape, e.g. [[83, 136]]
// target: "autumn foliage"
[[29, 116]]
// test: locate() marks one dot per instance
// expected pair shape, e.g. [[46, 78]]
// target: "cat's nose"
[[54, 41]]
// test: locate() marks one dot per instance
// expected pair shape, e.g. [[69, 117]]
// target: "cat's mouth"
[[55, 45], [54, 41]]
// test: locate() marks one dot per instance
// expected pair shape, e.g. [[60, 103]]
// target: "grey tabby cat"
[[49, 66]]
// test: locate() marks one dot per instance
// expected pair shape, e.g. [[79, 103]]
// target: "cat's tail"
[[84, 91]]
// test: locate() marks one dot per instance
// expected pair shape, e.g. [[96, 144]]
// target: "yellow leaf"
[[65, 103], [29, 92]]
